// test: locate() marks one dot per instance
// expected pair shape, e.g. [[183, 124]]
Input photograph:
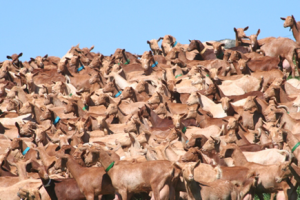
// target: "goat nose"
[[265, 95], [277, 179]]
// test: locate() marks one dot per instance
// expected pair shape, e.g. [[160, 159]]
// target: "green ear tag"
[[85, 108], [294, 60], [184, 129], [178, 75], [127, 62], [110, 166]]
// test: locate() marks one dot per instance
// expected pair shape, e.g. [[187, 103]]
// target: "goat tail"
[[219, 172], [290, 155], [67, 79]]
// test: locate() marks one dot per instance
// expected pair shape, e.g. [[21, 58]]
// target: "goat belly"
[[138, 177], [133, 180]]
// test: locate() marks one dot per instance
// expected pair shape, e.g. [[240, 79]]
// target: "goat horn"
[[283, 106], [51, 139], [259, 132], [28, 161]]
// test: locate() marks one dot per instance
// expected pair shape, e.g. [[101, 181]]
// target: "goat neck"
[[105, 159], [238, 157]]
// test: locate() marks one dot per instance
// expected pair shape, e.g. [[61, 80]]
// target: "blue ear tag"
[[80, 68], [186, 141], [118, 94], [25, 151], [56, 120], [174, 43], [155, 64]]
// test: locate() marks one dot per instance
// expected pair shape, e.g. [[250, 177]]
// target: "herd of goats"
[[181, 121]]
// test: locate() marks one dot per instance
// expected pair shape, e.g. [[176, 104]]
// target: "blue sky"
[[53, 27]]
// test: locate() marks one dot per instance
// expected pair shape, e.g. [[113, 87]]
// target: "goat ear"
[[148, 42], [183, 116], [282, 125], [92, 47], [48, 128], [179, 81], [209, 44], [198, 150], [258, 31], [206, 70], [282, 18], [178, 164], [161, 38], [88, 122], [246, 28], [225, 120], [197, 163], [36, 73], [92, 117], [234, 29]]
